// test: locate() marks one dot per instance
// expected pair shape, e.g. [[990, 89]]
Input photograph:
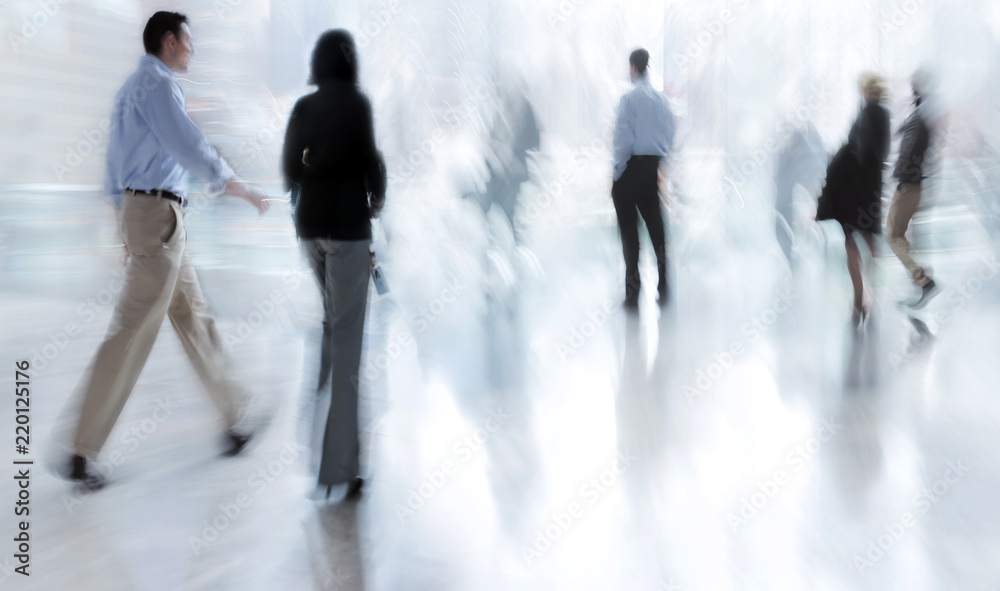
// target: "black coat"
[[852, 194], [333, 180]]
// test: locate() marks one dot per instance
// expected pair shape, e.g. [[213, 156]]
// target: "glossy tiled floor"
[[521, 431]]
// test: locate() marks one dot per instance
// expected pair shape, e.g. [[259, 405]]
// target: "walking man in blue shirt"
[[153, 145], [644, 134]]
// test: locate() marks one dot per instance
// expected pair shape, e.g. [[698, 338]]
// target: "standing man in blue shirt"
[[644, 134], [153, 145]]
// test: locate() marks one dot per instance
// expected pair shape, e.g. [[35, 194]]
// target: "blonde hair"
[[874, 84]]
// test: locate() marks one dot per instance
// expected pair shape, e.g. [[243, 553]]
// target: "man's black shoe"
[[928, 291], [354, 489], [237, 442], [78, 471], [663, 296]]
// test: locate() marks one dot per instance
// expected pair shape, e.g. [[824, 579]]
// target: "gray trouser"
[[342, 270], [159, 281]]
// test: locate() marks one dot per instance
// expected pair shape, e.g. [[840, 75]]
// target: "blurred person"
[[331, 160], [644, 134], [909, 172], [513, 136], [153, 145], [800, 163], [852, 194]]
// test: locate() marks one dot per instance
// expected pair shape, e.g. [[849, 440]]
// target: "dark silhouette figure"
[[800, 163], [644, 134], [331, 161], [853, 191]]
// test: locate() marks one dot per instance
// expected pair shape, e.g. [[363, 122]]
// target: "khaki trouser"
[[905, 202], [159, 281]]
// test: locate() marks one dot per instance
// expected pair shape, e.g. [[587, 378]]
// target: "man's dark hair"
[[640, 59], [334, 58], [159, 25]]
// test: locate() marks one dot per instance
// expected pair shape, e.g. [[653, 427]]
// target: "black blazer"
[[342, 166]]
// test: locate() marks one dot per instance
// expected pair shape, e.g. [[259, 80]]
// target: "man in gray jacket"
[[905, 202]]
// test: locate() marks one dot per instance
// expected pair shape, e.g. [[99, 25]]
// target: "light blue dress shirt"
[[153, 143], [644, 126]]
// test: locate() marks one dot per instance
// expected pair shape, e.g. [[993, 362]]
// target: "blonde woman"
[[853, 191]]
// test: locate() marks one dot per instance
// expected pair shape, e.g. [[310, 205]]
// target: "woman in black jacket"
[[331, 162], [853, 191]]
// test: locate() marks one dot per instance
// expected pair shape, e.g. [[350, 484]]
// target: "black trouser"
[[638, 189]]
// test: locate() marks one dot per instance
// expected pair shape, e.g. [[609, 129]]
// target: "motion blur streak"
[[520, 429]]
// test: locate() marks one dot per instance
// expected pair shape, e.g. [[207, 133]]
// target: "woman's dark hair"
[[159, 25], [334, 58]]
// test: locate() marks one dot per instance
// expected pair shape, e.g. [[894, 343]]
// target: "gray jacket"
[[913, 148]]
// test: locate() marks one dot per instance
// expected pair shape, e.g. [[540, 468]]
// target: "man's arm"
[[624, 138], [165, 112]]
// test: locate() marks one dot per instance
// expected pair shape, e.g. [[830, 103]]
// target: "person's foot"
[[927, 292], [354, 489], [237, 441], [80, 472]]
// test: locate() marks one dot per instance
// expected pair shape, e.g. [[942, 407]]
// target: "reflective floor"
[[521, 431]]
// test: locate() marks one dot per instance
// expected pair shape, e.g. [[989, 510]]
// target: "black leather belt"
[[159, 193]]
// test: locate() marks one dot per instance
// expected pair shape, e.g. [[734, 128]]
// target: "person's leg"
[[783, 216], [652, 213], [347, 272], [854, 269], [154, 233], [317, 262], [629, 229], [195, 327], [905, 202]]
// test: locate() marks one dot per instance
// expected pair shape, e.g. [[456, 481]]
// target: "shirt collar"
[[151, 61]]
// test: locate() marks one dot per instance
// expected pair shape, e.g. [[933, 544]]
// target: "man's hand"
[[375, 208], [250, 193]]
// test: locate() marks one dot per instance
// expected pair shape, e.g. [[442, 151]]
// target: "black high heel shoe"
[[354, 489]]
